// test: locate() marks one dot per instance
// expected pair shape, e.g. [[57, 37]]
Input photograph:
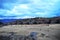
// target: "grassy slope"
[[50, 30]]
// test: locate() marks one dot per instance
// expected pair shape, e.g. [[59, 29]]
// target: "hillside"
[[37, 20]]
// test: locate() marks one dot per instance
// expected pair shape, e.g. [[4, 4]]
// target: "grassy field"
[[44, 31]]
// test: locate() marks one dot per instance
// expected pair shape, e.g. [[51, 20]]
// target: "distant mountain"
[[4, 22], [37, 20], [7, 20]]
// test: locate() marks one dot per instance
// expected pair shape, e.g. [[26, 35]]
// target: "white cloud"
[[27, 17], [1, 18], [44, 4], [23, 6], [17, 10], [20, 9], [17, 17], [23, 17], [41, 14]]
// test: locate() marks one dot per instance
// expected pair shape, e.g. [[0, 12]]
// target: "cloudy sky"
[[15, 9]]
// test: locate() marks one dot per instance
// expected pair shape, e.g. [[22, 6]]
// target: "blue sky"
[[16, 9]]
